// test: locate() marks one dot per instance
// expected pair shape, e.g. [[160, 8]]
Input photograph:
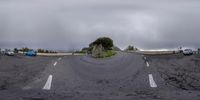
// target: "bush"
[[85, 50], [79, 52]]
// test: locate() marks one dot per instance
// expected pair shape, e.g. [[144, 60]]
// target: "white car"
[[188, 52], [10, 53]]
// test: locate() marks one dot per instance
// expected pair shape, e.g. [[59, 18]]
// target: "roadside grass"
[[107, 53]]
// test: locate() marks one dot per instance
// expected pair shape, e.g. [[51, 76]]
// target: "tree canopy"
[[106, 42]]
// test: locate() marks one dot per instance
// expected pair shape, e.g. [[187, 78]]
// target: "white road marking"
[[151, 81], [55, 63], [147, 64], [59, 58], [145, 58], [47, 86]]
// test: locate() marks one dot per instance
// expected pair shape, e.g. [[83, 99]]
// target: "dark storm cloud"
[[67, 24]]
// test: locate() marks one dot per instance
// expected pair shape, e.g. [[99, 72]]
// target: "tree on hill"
[[106, 42]]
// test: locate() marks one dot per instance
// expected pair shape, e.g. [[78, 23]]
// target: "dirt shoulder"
[[179, 71], [16, 71]]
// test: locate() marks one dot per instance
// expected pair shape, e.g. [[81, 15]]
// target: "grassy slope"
[[109, 53]]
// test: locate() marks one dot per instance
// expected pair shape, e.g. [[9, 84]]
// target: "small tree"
[[136, 49], [16, 50], [46, 51], [40, 50], [25, 49], [130, 47]]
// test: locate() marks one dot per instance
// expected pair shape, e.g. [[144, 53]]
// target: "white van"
[[188, 52]]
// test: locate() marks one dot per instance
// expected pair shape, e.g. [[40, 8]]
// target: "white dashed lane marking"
[[47, 86], [152, 82], [55, 63], [147, 64], [59, 58]]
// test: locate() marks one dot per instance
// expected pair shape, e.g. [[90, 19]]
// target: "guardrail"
[[159, 52], [162, 52], [59, 54], [56, 54]]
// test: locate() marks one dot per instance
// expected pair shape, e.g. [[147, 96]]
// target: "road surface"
[[125, 76]]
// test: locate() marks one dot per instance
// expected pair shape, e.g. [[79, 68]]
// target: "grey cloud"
[[71, 24]]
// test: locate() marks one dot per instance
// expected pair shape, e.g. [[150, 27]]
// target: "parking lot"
[[125, 76]]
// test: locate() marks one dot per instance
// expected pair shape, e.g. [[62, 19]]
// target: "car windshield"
[[99, 50]]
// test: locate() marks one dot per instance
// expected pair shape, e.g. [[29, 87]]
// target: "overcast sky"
[[73, 24]]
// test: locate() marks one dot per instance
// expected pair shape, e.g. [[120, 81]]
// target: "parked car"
[[31, 53], [9, 53], [188, 52], [198, 50]]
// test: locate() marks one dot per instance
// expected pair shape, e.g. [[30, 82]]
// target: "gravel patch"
[[179, 71]]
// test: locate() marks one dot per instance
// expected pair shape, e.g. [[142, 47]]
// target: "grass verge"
[[109, 53]]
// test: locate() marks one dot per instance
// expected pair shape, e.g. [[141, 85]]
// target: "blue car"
[[31, 53]]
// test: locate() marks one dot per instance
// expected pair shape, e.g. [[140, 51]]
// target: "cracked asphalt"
[[125, 76]]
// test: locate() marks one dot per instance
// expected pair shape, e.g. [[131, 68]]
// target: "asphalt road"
[[126, 76]]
